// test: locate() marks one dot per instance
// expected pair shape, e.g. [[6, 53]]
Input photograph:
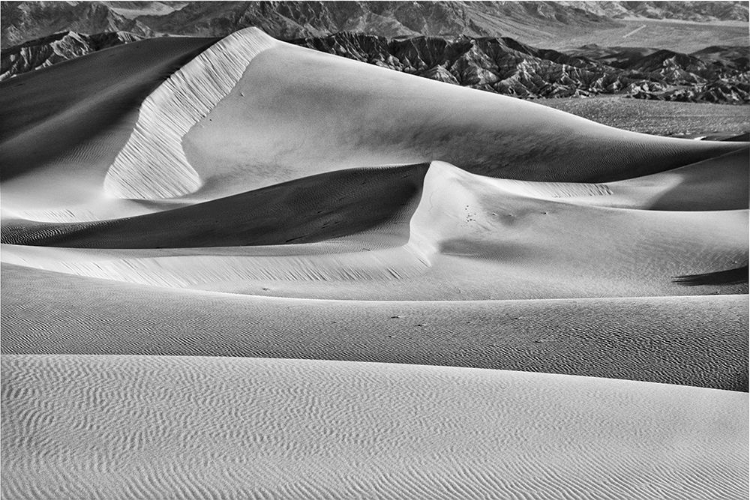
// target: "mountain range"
[[451, 42], [500, 65], [24, 21]]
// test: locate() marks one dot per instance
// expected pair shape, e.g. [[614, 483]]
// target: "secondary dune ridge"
[[214, 209], [694, 341]]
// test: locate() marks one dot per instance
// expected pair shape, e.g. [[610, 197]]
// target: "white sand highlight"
[[152, 164], [156, 427]]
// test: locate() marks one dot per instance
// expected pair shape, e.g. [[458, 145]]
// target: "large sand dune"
[[177, 210]]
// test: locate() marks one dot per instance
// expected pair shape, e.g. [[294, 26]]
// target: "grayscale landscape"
[[316, 250]]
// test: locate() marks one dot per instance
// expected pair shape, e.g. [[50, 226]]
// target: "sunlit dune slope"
[[155, 427], [699, 341], [274, 124], [409, 233]]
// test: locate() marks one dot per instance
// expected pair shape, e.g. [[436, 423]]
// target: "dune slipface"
[[219, 203]]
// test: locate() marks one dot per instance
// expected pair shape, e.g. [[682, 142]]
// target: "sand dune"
[[263, 133], [699, 341], [306, 210], [265, 127], [83, 116], [439, 233], [154, 150], [253, 428], [176, 210], [717, 184]]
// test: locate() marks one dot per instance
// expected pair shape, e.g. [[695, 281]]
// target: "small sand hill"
[[159, 427], [311, 209], [717, 184]]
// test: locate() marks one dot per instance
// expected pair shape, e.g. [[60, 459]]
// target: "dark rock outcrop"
[[57, 48], [24, 21], [505, 66]]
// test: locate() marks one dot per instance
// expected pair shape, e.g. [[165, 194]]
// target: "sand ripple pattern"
[[152, 165], [699, 341], [171, 427]]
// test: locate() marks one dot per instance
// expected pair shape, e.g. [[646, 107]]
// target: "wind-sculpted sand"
[[399, 246], [156, 427]]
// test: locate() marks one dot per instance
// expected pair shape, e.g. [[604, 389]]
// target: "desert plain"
[[224, 280]]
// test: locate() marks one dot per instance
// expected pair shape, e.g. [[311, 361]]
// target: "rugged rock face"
[[500, 65], [685, 11], [23, 21], [287, 20], [57, 48], [505, 66], [461, 47]]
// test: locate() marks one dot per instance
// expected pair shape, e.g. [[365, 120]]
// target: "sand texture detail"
[[120, 427]]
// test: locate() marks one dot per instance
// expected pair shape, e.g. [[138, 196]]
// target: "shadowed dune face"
[[728, 277], [65, 105], [307, 210]]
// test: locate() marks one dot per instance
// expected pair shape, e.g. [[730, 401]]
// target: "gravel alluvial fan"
[[240, 268]]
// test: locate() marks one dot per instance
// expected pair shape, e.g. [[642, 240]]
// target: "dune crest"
[[152, 165]]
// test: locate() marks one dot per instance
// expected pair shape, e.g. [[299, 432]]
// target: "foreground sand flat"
[[220, 280], [177, 427]]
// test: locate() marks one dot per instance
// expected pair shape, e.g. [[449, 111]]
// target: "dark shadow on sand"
[[735, 276]]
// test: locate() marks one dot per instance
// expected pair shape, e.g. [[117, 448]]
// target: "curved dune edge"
[[171, 427], [699, 341], [152, 165], [463, 236]]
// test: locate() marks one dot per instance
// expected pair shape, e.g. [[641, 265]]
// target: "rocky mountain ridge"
[[57, 48], [506, 66], [23, 21], [500, 65]]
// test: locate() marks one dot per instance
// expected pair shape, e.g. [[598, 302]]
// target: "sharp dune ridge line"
[[244, 283], [155, 427], [152, 164]]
